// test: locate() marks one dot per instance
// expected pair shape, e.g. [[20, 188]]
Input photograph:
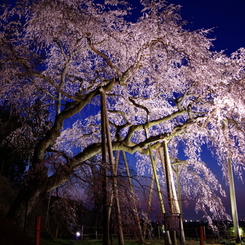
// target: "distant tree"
[[16, 145], [12, 165], [7, 195], [157, 76]]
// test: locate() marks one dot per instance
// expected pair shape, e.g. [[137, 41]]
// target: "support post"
[[38, 230], [159, 193], [106, 213], [202, 238], [232, 190], [82, 233], [107, 137], [173, 200], [233, 203]]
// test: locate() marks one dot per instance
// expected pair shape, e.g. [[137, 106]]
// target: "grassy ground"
[[48, 239], [90, 242], [93, 242], [54, 241]]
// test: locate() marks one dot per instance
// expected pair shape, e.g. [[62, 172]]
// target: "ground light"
[[78, 234]]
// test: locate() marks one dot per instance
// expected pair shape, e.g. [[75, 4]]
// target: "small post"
[[82, 233], [38, 229], [196, 233], [201, 236]]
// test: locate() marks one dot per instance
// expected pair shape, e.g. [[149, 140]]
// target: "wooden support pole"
[[38, 230], [232, 189], [113, 168], [202, 238], [106, 215], [172, 195], [233, 203]]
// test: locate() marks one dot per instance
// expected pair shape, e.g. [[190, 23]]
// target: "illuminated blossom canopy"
[[162, 82]]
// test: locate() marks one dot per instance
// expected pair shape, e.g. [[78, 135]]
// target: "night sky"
[[227, 17]]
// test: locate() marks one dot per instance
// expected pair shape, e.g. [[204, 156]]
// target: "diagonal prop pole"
[[154, 173]]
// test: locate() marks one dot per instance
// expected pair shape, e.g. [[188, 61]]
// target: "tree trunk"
[[26, 199], [37, 184]]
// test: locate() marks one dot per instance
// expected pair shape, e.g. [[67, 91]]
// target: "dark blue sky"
[[227, 17]]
